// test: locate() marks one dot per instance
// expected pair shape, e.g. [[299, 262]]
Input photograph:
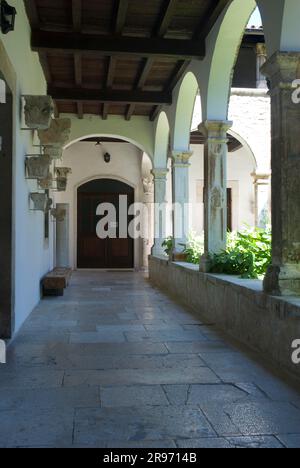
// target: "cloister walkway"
[[116, 363]]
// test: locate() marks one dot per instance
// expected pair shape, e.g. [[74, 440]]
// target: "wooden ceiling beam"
[[130, 111], [141, 80], [63, 43], [111, 69], [121, 13], [32, 13], [77, 15], [45, 66], [78, 69], [210, 19], [109, 95], [180, 69], [80, 112], [156, 111], [166, 16], [105, 111]]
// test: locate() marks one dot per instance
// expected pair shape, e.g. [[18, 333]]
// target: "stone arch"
[[162, 138], [281, 24], [2, 91], [106, 135], [247, 146], [223, 46], [184, 112], [138, 132], [86, 180]]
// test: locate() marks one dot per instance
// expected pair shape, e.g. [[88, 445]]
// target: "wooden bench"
[[56, 281]]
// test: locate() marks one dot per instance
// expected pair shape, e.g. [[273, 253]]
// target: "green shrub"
[[168, 245], [193, 249], [248, 254]]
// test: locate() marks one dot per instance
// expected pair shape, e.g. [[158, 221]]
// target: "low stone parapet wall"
[[239, 307]]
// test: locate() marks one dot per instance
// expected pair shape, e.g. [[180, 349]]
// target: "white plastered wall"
[[239, 169], [87, 163], [33, 257]]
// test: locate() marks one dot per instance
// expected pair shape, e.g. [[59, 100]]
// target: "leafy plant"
[[193, 249], [168, 245], [248, 254]]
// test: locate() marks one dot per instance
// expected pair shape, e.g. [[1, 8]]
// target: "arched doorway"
[[6, 171], [111, 252]]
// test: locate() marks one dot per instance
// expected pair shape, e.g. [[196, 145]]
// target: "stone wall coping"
[[250, 92], [289, 306]]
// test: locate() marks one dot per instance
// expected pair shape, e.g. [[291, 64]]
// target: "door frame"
[[75, 225], [7, 283]]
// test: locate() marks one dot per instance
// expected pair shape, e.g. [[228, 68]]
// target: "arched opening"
[[127, 166], [222, 57], [103, 241], [162, 136], [6, 212], [185, 112]]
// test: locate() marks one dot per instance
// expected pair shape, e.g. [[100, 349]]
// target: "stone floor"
[[116, 363]]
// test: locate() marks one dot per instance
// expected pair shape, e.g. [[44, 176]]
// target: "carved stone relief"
[[57, 135], [41, 202], [59, 214], [37, 167], [38, 112]]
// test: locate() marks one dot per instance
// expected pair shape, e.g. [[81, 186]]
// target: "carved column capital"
[[181, 158], [148, 185], [282, 68], [261, 178], [160, 173], [215, 130], [261, 49]]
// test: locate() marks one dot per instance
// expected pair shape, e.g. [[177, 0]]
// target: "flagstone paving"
[[117, 363]]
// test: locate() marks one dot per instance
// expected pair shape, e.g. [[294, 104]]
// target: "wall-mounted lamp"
[[8, 16], [107, 158]]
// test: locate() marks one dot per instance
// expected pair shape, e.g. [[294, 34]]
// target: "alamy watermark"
[[296, 93], [2, 352], [133, 221], [296, 352]]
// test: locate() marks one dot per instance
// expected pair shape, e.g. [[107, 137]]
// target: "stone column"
[[160, 209], [261, 57], [180, 174], [262, 200], [283, 276], [215, 189], [62, 238], [148, 200]]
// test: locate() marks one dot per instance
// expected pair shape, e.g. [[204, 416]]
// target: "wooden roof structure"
[[120, 57]]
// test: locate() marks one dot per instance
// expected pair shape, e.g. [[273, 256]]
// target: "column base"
[[283, 280], [205, 264]]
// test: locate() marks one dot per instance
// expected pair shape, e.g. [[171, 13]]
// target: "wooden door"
[[95, 252]]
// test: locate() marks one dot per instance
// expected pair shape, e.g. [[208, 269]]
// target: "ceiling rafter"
[[77, 15], [155, 112], [210, 19], [111, 69], [166, 15], [55, 38], [121, 13], [32, 13], [95, 44], [109, 95], [140, 82]]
